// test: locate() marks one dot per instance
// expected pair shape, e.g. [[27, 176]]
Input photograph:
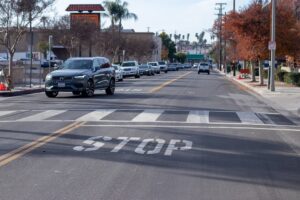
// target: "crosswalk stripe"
[[198, 117], [148, 116], [95, 115], [3, 113], [43, 115], [249, 118]]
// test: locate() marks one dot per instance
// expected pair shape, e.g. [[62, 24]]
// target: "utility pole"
[[234, 6], [31, 44], [225, 52], [220, 8], [273, 49]]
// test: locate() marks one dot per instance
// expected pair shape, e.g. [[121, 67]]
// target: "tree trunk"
[[253, 71], [9, 78], [261, 73]]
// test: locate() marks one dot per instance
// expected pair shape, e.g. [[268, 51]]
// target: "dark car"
[[81, 76], [146, 69]]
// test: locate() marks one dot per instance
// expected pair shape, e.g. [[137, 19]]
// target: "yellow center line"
[[156, 89], [17, 153]]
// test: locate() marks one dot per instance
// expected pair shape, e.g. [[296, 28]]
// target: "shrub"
[[280, 75], [292, 78]]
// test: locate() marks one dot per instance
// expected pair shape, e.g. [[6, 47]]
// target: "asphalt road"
[[179, 136]]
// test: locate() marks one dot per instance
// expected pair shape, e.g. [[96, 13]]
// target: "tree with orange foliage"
[[248, 33]]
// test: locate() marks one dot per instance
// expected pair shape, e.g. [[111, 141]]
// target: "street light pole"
[[273, 50], [31, 44], [50, 44]]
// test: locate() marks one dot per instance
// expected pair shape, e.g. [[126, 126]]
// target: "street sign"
[[272, 45], [266, 3]]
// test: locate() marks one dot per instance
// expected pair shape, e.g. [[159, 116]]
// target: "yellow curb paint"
[[168, 83], [17, 153]]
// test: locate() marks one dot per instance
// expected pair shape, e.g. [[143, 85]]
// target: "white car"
[[163, 66], [203, 67], [155, 66], [130, 68], [119, 72]]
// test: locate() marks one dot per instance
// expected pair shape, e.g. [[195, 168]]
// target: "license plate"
[[61, 84]]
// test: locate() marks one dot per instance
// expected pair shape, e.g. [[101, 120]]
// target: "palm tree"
[[112, 8], [124, 13]]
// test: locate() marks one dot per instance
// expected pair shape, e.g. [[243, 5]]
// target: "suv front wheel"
[[89, 91], [51, 94], [111, 88]]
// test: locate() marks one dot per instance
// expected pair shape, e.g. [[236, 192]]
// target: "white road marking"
[[148, 116], [91, 141], [42, 116], [125, 140], [95, 115], [172, 146], [3, 113], [183, 145], [249, 118], [156, 150], [198, 117], [233, 127]]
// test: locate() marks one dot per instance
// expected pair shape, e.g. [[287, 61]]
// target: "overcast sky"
[[180, 16]]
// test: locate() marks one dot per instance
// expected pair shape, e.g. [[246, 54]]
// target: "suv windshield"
[[78, 64], [128, 64], [153, 64]]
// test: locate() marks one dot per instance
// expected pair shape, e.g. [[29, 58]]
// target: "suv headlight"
[[48, 77], [80, 77]]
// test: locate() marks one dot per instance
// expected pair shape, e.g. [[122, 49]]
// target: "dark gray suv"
[[81, 76]]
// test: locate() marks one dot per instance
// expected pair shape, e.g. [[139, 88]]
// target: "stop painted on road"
[[97, 142]]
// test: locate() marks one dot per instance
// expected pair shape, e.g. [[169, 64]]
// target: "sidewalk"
[[286, 98], [22, 90]]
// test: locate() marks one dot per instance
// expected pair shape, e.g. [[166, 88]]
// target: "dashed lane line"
[[156, 89]]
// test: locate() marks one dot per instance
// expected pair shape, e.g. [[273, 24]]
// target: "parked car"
[[195, 65], [180, 66], [187, 66], [163, 66], [146, 69], [172, 67], [53, 63], [156, 66], [81, 76], [203, 67], [130, 68], [119, 72]]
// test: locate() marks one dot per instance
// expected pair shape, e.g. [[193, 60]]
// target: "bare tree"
[[15, 17]]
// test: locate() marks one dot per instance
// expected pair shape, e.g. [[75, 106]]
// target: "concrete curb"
[[294, 117], [21, 92]]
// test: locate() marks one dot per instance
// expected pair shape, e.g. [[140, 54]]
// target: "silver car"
[[156, 66], [119, 72], [130, 68], [163, 66]]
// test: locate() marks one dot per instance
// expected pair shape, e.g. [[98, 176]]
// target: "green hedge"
[[292, 78], [280, 75]]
